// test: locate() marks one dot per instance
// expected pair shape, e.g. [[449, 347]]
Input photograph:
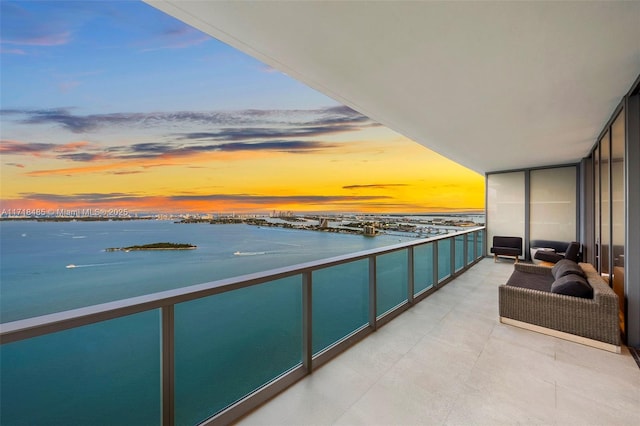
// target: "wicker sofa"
[[527, 301]]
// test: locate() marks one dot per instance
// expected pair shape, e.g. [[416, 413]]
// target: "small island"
[[155, 246]]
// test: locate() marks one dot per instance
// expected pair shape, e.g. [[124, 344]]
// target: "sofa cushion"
[[541, 282], [573, 251], [557, 246], [572, 285], [548, 256], [565, 267], [506, 251]]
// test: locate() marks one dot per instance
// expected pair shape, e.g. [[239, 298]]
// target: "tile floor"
[[449, 361]]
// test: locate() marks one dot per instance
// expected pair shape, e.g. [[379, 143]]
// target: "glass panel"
[[422, 267], [618, 206], [553, 204], [392, 277], [605, 219], [470, 248], [505, 205], [340, 302], [459, 252], [480, 242], [228, 345], [444, 259], [100, 374]]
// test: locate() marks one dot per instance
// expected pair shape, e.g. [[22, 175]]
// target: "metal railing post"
[[410, 276], [168, 351], [475, 246], [484, 242], [373, 297], [465, 255], [452, 254], [435, 263], [307, 321]]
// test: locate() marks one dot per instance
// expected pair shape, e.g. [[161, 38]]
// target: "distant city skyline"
[[115, 105]]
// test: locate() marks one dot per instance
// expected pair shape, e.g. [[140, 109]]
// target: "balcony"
[[214, 352]]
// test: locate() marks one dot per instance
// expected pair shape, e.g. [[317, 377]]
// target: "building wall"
[[612, 209], [535, 204], [632, 216]]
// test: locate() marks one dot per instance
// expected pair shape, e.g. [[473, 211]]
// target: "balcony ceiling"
[[490, 85]]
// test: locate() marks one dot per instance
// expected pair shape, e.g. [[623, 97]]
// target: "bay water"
[[49, 267], [225, 346]]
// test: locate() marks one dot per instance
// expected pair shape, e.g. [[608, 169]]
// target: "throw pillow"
[[572, 285], [565, 267]]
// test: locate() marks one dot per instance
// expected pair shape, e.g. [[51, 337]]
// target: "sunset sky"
[[116, 105]]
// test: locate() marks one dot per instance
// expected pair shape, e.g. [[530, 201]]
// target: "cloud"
[[281, 146], [235, 134], [8, 147], [281, 131], [81, 156], [26, 26], [57, 23], [69, 150], [224, 125], [35, 39], [165, 150], [80, 170], [19, 165], [71, 146], [153, 148], [127, 172], [227, 131], [172, 150], [12, 51], [137, 155], [375, 186], [276, 199], [150, 166], [89, 198], [170, 34], [73, 123], [342, 114], [137, 201]]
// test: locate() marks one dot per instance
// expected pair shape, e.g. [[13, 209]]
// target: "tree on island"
[[156, 246]]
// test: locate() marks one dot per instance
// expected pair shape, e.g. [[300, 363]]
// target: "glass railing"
[[444, 263], [212, 352], [460, 252], [423, 268]]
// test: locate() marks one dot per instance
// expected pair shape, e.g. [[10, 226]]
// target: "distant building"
[[369, 230]]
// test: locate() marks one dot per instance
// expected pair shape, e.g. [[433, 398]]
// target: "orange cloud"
[[81, 170], [167, 159], [71, 146]]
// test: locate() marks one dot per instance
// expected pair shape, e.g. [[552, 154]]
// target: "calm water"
[[35, 280], [226, 345]]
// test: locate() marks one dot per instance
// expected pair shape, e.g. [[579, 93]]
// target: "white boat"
[[71, 265], [249, 253]]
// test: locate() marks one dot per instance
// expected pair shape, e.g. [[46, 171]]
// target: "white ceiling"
[[490, 85]]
